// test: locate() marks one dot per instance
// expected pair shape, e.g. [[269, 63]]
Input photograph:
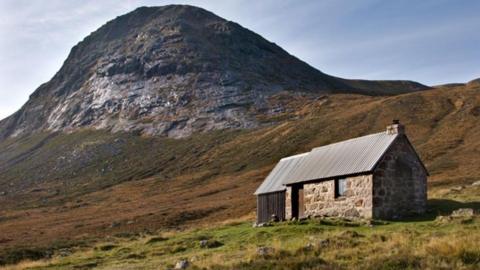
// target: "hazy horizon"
[[431, 42]]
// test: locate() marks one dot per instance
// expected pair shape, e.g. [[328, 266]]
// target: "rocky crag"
[[172, 71]]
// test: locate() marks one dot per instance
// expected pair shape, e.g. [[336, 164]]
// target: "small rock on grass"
[[203, 243], [64, 252], [443, 219], [182, 264], [476, 184], [264, 224], [210, 244], [463, 212], [264, 251], [324, 243], [457, 189]]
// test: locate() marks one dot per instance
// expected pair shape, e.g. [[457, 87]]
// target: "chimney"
[[395, 128]]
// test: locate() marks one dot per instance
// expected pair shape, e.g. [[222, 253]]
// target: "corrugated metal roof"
[[352, 156], [280, 174]]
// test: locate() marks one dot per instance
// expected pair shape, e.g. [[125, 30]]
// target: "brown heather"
[[120, 183], [94, 179]]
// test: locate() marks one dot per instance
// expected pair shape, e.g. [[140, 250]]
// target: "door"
[[301, 205], [298, 206]]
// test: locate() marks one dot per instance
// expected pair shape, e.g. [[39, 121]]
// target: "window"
[[340, 187]]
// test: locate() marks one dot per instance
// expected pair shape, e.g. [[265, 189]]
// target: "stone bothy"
[[378, 176]]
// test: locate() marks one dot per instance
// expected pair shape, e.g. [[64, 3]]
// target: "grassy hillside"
[[60, 190], [424, 243]]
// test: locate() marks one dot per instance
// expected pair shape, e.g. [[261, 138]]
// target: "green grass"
[[445, 136], [418, 243], [312, 244]]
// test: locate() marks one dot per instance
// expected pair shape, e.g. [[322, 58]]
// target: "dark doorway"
[[298, 206]]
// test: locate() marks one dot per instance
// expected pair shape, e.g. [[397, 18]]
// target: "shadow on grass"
[[443, 207]]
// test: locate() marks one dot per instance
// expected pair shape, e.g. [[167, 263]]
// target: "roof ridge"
[[295, 156], [353, 139], [352, 156]]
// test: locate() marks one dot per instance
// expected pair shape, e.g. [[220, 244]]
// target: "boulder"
[[264, 224], [182, 264], [210, 244], [264, 251], [463, 212], [457, 189], [324, 243], [476, 184], [443, 219], [203, 243], [64, 252]]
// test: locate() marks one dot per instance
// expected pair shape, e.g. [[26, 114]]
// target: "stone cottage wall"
[[288, 203], [357, 203], [399, 183]]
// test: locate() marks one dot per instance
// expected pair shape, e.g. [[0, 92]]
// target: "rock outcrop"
[[173, 70]]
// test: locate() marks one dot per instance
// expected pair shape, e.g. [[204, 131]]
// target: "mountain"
[[474, 83], [170, 117], [71, 188], [174, 70]]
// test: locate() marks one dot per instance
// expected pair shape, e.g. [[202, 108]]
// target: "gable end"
[[412, 151]]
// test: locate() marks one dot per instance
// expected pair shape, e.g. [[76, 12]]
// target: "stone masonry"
[[399, 183], [396, 188], [288, 203], [356, 203]]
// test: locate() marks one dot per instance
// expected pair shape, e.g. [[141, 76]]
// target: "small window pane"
[[342, 186]]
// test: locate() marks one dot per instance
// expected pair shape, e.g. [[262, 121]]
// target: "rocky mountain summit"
[[172, 71]]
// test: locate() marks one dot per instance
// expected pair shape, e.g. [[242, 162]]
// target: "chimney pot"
[[395, 128]]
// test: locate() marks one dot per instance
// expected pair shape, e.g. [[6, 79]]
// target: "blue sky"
[[429, 41]]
